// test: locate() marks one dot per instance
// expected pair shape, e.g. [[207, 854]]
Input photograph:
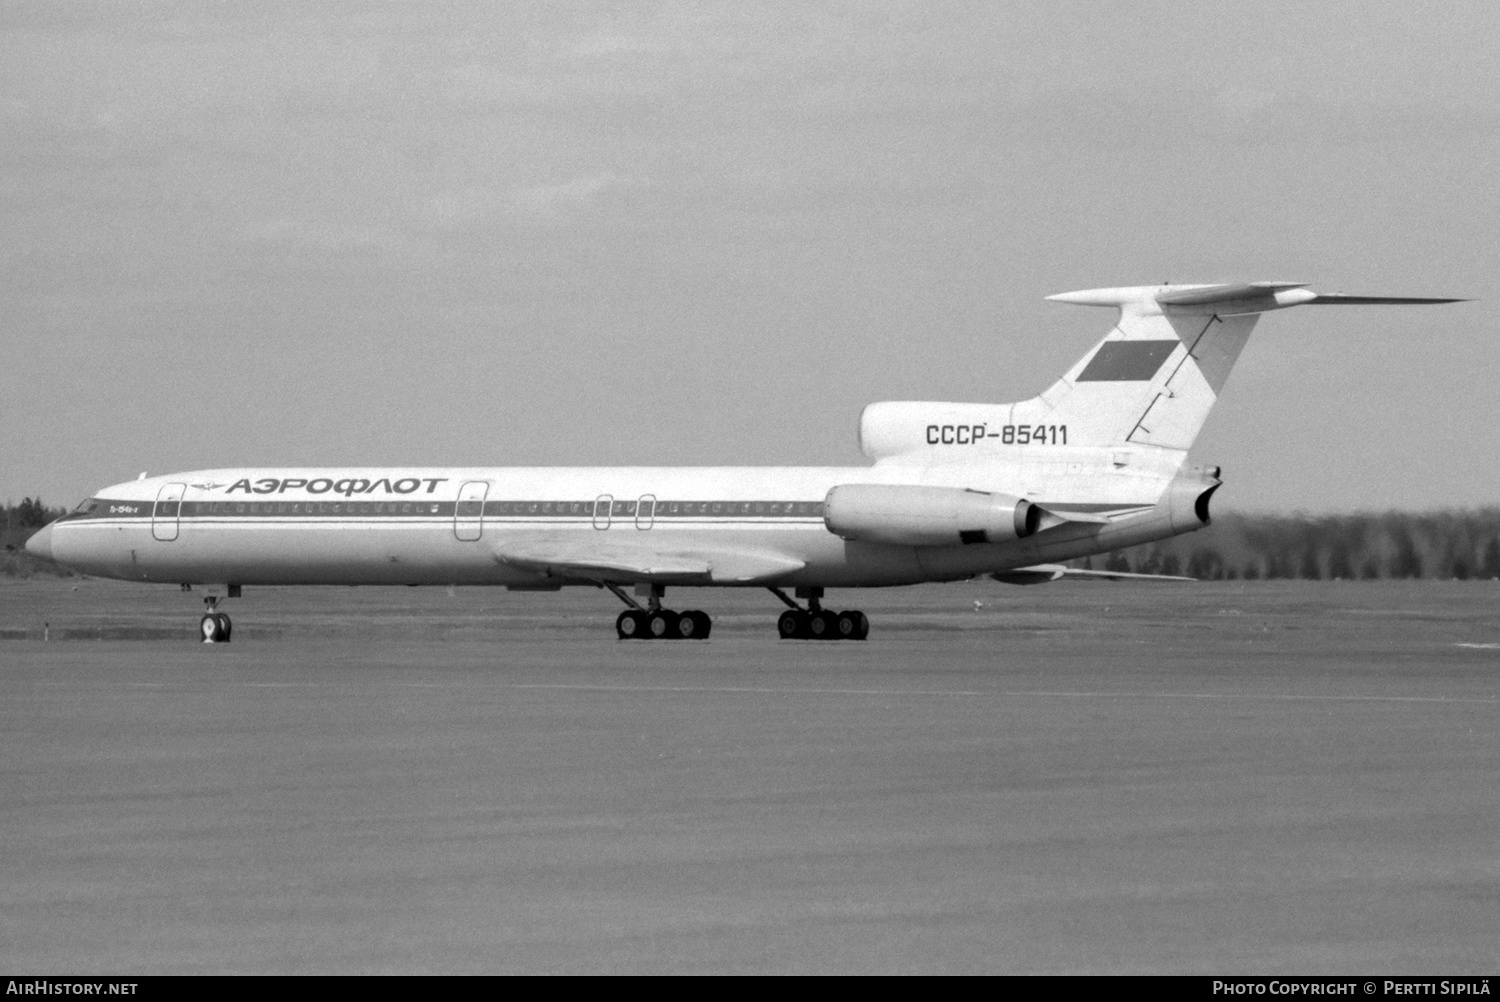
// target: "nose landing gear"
[[214, 627]]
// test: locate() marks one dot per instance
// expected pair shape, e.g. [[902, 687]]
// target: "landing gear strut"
[[654, 622], [815, 622]]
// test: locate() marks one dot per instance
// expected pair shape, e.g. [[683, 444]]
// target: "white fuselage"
[[393, 525]]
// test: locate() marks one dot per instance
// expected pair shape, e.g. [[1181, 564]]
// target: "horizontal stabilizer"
[[1339, 299], [1052, 519], [1197, 296], [1045, 573], [1227, 299]]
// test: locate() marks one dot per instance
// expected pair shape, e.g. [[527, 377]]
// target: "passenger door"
[[166, 512], [468, 514]]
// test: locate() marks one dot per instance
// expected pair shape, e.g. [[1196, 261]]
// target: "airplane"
[[1095, 463]]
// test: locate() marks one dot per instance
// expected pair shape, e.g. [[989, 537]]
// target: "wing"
[[593, 559], [1044, 573]]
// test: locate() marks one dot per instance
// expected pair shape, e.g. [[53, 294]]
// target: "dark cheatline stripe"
[[662, 509], [1127, 361], [105, 508]]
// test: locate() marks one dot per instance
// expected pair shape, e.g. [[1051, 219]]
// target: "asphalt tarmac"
[[1266, 777]]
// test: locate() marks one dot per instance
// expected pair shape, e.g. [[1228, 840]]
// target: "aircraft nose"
[[40, 544]]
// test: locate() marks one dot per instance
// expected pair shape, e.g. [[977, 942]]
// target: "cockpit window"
[[86, 507]]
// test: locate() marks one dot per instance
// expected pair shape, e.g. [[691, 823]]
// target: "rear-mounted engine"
[[927, 516]]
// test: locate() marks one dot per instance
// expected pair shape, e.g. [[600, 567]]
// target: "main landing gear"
[[817, 623], [797, 623], [656, 623]]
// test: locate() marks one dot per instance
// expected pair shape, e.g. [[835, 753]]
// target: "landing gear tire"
[[631, 625], [853, 625], [797, 624], [662, 624], [792, 624], [693, 625], [822, 626], [214, 628]]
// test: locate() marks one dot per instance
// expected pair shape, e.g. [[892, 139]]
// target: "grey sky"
[[703, 234]]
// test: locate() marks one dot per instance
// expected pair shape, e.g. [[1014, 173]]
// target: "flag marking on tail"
[[1127, 361]]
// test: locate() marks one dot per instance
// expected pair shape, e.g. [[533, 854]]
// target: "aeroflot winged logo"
[[348, 486]]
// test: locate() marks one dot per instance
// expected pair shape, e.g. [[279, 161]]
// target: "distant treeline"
[[17, 524], [1456, 545], [30, 514]]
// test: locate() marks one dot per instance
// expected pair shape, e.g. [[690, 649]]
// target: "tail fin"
[[1151, 381], [1155, 377]]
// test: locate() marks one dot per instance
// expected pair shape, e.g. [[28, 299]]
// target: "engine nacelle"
[[927, 516]]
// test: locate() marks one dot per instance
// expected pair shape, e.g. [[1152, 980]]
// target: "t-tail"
[[1148, 386]]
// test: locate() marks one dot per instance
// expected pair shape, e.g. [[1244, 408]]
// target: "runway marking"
[[923, 693], [996, 692]]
